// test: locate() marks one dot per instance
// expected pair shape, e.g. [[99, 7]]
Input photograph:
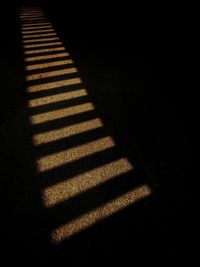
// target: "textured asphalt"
[[91, 152]]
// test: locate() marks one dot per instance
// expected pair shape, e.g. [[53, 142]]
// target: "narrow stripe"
[[56, 98], [50, 64], [67, 156], [68, 131], [51, 74], [37, 31], [61, 113], [43, 45], [40, 40], [69, 188], [39, 35], [35, 58], [114, 206], [39, 51]]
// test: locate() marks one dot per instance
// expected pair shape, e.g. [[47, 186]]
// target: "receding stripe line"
[[24, 25], [29, 11], [50, 64], [92, 217], [34, 19], [36, 22], [27, 18], [65, 190], [38, 51], [79, 128], [61, 113], [37, 31], [53, 85], [39, 24], [35, 25], [41, 40], [25, 13], [56, 98], [32, 16], [39, 35], [37, 28], [51, 74], [43, 45], [31, 59], [54, 160]]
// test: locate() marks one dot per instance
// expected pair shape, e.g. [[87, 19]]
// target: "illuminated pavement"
[[48, 106]]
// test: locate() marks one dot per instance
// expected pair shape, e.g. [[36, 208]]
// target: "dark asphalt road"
[[94, 103]]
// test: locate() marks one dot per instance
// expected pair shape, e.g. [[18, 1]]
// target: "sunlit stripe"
[[36, 25], [28, 11], [37, 21], [51, 74], [61, 113], [36, 15], [114, 206], [53, 85], [56, 98], [60, 158], [31, 13], [69, 188], [44, 50], [40, 40], [33, 19], [54, 135], [39, 35], [37, 31], [50, 64], [37, 28], [43, 45], [26, 25], [35, 58]]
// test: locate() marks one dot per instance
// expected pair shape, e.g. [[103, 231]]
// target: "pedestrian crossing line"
[[53, 85], [55, 73], [50, 44], [61, 113], [48, 65], [52, 56], [66, 138], [68, 131], [92, 217]]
